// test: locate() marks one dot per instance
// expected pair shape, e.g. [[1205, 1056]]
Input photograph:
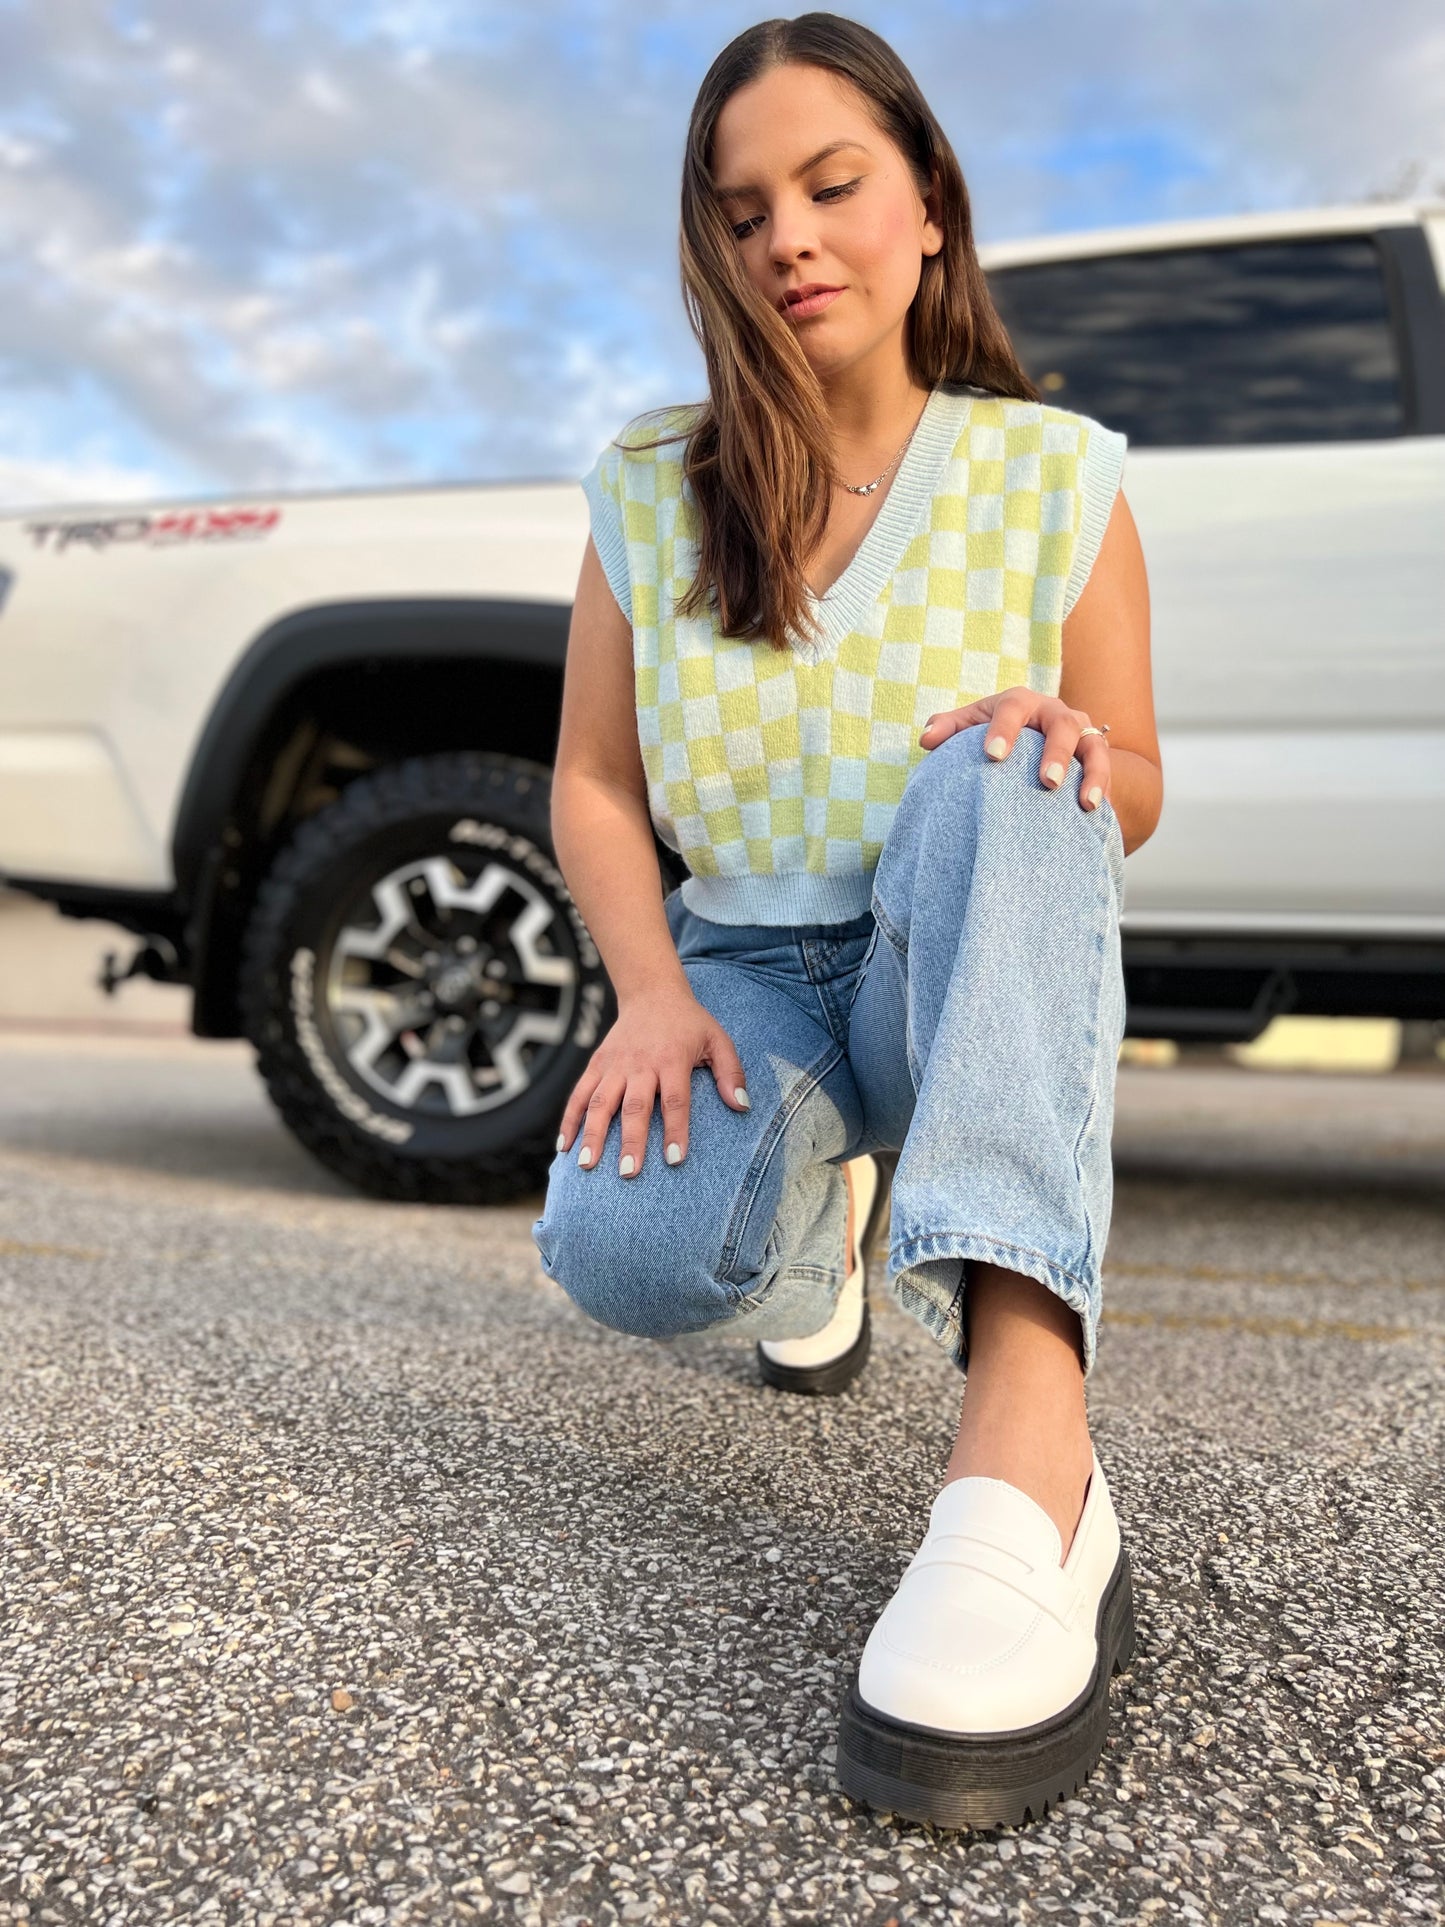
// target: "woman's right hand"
[[650, 1051]]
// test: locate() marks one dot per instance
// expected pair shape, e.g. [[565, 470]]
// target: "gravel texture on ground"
[[351, 1576]]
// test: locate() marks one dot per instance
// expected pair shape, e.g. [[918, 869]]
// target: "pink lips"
[[810, 304]]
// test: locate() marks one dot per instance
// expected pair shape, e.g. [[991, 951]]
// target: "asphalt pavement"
[[351, 1576]]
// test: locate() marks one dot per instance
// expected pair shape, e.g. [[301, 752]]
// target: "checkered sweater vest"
[[775, 774]]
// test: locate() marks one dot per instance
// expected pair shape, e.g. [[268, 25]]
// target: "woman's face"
[[852, 220]]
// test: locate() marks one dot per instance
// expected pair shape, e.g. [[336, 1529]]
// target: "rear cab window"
[[1221, 345]]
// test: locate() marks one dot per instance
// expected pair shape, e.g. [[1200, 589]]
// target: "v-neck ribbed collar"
[[847, 600]]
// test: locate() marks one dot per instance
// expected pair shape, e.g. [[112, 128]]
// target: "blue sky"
[[303, 244]]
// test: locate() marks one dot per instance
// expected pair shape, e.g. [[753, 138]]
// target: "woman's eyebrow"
[[741, 193]]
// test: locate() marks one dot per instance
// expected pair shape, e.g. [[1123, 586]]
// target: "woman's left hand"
[[1014, 709]]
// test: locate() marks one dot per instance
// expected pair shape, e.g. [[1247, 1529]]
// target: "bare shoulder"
[[1118, 570], [597, 733], [1106, 641]]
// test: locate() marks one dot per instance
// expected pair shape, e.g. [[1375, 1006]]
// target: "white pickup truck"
[[300, 745]]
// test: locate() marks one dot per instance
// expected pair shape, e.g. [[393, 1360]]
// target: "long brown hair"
[[759, 457]]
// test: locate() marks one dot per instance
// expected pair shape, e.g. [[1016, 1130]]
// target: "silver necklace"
[[867, 488]]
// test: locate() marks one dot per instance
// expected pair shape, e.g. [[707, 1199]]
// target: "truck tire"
[[419, 986]]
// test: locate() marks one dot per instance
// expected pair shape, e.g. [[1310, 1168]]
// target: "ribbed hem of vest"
[[799, 896], [1101, 472], [608, 536]]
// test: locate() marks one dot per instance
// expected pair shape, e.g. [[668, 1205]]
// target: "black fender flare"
[[323, 636]]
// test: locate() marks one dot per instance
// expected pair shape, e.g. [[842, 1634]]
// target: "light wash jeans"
[[970, 1020]]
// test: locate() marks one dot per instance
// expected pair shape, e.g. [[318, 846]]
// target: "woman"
[[831, 641]]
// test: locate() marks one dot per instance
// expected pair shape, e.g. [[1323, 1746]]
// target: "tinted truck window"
[[1284, 341]]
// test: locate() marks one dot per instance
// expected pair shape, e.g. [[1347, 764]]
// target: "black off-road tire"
[[489, 814]]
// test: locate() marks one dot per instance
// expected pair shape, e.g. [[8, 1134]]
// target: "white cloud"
[[425, 238]]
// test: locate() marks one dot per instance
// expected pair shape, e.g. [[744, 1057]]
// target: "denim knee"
[[603, 1239], [961, 761], [965, 780]]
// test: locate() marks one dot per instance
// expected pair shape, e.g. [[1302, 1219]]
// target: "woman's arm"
[[601, 825], [1106, 674]]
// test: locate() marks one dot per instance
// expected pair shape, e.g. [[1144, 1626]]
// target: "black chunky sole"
[[826, 1381], [820, 1381], [992, 1779]]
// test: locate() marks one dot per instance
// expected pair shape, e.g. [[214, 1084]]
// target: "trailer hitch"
[[156, 958]]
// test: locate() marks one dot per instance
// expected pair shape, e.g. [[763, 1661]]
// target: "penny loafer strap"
[[1049, 1589]]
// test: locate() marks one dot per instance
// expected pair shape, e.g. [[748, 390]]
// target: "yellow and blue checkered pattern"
[[775, 775]]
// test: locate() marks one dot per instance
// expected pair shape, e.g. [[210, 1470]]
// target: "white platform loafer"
[[826, 1362], [982, 1695]]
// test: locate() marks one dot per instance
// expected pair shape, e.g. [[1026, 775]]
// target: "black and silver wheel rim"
[[447, 979]]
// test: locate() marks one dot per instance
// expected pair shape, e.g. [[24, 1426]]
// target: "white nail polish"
[[627, 1166], [561, 1140], [584, 1156], [1096, 796], [1055, 772], [742, 1097], [996, 745], [674, 1154]]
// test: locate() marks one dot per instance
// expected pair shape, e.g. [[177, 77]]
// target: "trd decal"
[[156, 531]]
